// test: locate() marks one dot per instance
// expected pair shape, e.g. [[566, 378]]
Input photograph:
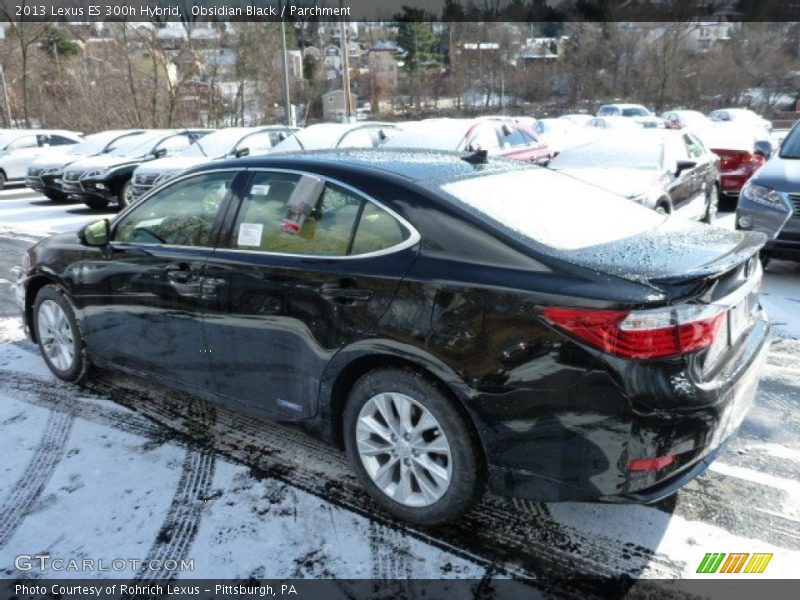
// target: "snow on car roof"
[[432, 134], [321, 136]]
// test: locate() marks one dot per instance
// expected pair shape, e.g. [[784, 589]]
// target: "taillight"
[[651, 464], [732, 160], [645, 334]]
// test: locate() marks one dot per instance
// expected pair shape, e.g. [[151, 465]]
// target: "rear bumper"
[[586, 457]]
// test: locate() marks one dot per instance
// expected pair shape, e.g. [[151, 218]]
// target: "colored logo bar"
[[735, 562]]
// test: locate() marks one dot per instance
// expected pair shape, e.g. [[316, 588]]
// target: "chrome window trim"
[[413, 239]]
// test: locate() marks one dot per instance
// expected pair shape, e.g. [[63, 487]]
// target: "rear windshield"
[[551, 209], [628, 154], [635, 111]]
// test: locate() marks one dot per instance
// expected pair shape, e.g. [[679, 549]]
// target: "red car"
[[498, 136], [737, 164]]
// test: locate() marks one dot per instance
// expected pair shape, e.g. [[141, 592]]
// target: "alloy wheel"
[[56, 335], [404, 449]]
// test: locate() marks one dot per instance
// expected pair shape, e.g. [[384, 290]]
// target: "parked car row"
[[685, 173]]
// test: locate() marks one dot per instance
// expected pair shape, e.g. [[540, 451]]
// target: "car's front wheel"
[[59, 336], [712, 206], [412, 449], [96, 203], [124, 195]]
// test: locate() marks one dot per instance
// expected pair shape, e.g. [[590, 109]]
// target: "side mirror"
[[159, 153], [763, 148], [95, 234], [683, 165], [240, 152]]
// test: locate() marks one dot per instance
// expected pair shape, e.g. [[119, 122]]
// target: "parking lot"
[[123, 468]]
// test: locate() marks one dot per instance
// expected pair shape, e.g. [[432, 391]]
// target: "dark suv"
[[770, 202]]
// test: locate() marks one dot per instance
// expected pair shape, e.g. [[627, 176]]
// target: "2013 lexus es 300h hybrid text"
[[455, 325]]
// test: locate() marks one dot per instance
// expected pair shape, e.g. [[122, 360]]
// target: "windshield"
[[97, 142], [215, 144], [136, 145], [635, 111], [790, 148], [604, 155], [556, 211]]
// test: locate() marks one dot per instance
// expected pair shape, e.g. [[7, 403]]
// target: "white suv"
[[19, 147]]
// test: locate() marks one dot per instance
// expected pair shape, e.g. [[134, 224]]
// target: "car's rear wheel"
[[2, 180], [412, 449], [96, 203], [59, 336]]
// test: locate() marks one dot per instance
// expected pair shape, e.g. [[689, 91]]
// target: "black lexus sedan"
[[454, 324]]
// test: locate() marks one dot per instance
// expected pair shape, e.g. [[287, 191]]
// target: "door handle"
[[179, 272], [345, 290]]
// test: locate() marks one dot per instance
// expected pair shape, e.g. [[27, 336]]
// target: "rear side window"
[[514, 138], [607, 111], [59, 140], [341, 223]]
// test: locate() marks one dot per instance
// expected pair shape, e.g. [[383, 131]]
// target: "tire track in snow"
[[177, 532], [182, 521], [493, 532], [61, 398], [27, 489]]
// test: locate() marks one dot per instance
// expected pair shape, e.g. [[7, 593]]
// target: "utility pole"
[[348, 106], [5, 96], [287, 99]]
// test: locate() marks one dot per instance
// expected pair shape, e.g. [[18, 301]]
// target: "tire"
[[712, 206], [433, 499], [124, 195], [662, 208], [764, 257], [2, 180], [55, 196], [96, 203], [58, 335]]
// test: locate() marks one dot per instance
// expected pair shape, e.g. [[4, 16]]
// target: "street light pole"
[[287, 99], [348, 106]]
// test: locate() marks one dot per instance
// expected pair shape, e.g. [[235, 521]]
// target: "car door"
[[284, 294], [680, 182], [517, 145], [18, 154], [141, 295]]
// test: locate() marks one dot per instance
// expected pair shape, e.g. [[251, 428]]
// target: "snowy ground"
[[122, 469]]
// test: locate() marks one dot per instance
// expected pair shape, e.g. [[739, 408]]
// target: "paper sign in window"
[[250, 234], [259, 190]]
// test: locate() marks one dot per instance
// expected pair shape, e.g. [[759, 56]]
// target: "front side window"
[[341, 223], [360, 138], [182, 214], [28, 141], [484, 138], [175, 143], [257, 143]]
